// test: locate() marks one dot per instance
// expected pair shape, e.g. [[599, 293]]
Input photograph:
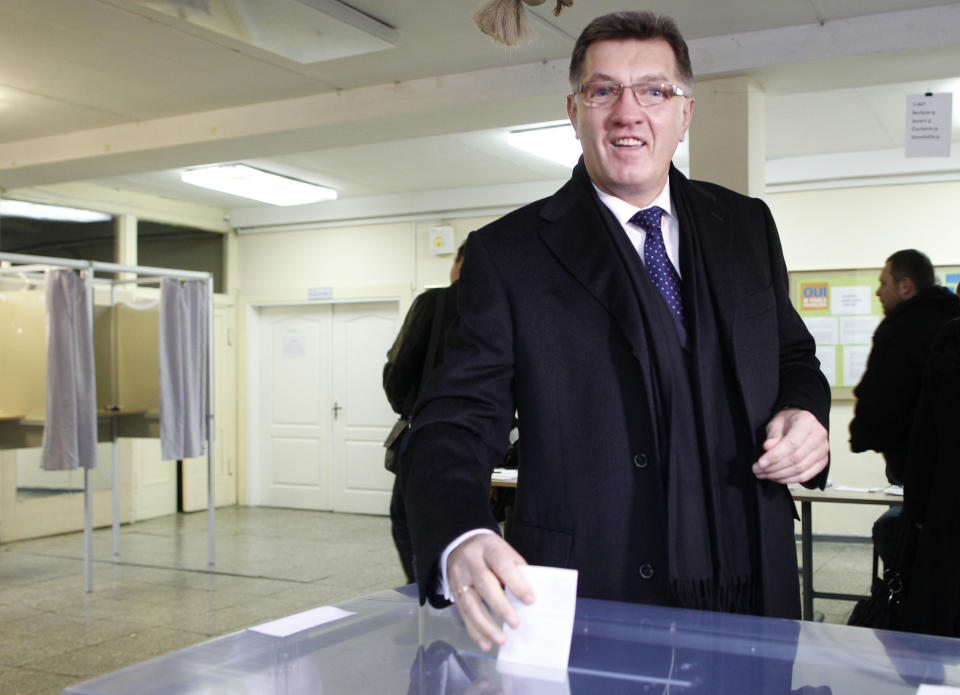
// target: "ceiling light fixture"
[[36, 211], [555, 141], [256, 184]]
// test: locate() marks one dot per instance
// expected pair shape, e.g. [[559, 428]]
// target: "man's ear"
[[572, 112], [906, 288]]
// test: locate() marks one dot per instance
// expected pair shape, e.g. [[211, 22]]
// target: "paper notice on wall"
[[294, 345], [850, 300], [858, 330], [854, 363], [827, 354], [823, 329], [928, 125]]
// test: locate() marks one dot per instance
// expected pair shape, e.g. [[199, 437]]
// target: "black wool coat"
[[550, 326]]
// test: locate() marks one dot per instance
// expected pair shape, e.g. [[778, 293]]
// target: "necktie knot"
[[648, 219]]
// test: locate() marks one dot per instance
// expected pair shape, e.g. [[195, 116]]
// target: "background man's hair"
[[913, 264], [622, 26]]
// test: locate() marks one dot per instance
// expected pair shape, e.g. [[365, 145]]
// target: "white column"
[[728, 134]]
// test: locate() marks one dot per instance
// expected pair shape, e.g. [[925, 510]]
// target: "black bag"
[[392, 444], [883, 609]]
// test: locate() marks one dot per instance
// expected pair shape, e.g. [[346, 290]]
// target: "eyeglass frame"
[[669, 88]]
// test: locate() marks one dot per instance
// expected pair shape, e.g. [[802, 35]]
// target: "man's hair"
[[624, 26], [459, 252], [913, 264]]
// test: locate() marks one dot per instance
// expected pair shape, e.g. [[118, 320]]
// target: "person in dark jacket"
[[915, 308], [409, 363], [932, 492]]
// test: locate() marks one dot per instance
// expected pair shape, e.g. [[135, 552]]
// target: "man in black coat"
[[932, 492], [639, 326], [915, 308]]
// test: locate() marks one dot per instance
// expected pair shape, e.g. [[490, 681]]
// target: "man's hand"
[[796, 449], [476, 572]]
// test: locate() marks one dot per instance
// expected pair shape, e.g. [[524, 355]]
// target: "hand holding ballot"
[[477, 571]]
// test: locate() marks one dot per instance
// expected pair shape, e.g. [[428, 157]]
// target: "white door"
[[362, 334], [295, 407], [323, 415]]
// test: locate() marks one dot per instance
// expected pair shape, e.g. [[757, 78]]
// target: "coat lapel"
[[576, 235], [699, 215]]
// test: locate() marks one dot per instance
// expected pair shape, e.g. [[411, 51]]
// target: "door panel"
[[294, 393], [362, 335], [321, 409]]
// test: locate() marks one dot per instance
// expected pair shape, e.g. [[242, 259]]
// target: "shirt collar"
[[623, 210]]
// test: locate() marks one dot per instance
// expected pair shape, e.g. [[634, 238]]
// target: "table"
[[806, 498], [392, 645]]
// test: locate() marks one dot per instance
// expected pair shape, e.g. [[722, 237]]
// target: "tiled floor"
[[158, 594]]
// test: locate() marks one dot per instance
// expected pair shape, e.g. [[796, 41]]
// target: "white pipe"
[[211, 392], [87, 275], [114, 457]]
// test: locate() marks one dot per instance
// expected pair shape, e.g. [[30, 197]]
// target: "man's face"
[[889, 290], [627, 148]]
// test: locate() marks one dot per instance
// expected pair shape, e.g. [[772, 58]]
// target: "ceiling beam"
[[476, 100]]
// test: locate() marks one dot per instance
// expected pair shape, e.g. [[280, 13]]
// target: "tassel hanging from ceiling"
[[505, 21]]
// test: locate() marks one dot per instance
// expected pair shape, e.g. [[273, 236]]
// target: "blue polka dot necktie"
[[661, 271]]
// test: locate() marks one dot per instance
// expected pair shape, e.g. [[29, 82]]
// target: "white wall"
[[860, 227]]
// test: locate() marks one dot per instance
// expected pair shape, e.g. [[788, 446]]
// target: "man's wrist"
[[444, 588]]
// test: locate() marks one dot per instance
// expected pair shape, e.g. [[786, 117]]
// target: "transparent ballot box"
[[387, 643]]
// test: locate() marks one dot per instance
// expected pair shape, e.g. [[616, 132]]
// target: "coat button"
[[640, 460], [646, 571]]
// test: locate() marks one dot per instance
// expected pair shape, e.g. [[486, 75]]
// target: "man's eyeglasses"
[[600, 93]]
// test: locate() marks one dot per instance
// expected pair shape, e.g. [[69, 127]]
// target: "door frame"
[[252, 407]]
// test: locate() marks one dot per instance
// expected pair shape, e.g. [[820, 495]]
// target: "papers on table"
[[889, 490], [299, 622]]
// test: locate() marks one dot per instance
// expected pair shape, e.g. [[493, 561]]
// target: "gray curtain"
[[70, 430], [184, 317]]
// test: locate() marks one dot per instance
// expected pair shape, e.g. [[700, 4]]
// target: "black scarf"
[[703, 440]]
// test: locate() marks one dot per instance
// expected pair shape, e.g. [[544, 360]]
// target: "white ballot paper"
[[546, 628], [926, 689], [299, 622]]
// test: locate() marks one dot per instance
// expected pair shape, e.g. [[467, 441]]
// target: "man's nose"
[[627, 105]]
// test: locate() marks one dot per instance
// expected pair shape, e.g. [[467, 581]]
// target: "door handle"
[[336, 409]]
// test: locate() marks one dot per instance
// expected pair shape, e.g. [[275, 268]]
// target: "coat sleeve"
[[886, 396], [802, 384], [461, 422]]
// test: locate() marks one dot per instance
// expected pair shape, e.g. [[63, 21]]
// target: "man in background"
[[914, 308], [415, 353]]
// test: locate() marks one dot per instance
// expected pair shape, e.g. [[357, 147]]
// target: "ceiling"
[[127, 93]]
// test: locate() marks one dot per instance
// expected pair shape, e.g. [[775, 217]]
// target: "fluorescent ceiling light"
[[19, 208], [256, 184], [554, 141]]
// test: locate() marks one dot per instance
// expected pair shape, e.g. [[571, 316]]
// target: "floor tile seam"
[[126, 563]]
